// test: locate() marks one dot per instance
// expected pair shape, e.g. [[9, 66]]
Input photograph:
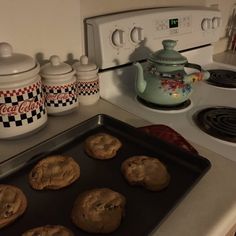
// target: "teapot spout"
[[140, 82]]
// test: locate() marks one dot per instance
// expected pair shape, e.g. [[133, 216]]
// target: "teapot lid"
[[84, 65], [14, 63], [55, 67], [168, 55]]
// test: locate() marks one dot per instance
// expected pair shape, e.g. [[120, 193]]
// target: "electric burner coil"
[[222, 78], [219, 122]]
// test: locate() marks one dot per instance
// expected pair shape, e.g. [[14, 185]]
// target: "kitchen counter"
[[228, 57], [208, 210]]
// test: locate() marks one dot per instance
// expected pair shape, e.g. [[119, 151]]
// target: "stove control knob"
[[216, 22], [206, 24], [136, 34], [117, 38]]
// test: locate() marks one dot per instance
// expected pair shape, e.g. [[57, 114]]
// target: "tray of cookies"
[[102, 176]]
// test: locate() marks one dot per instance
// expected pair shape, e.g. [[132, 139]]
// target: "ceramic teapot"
[[163, 80]]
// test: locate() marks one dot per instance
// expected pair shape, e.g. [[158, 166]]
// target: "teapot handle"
[[193, 66], [197, 76]]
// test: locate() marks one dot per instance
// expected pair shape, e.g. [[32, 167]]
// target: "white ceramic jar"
[[87, 81], [22, 109], [59, 86]]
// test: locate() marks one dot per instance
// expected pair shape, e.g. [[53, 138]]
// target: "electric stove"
[[116, 41]]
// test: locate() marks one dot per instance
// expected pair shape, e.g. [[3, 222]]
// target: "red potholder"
[[169, 135]]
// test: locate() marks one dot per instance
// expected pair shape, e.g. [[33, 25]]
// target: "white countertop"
[[228, 57], [208, 210]]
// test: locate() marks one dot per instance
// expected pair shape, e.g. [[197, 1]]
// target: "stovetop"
[[115, 40], [121, 92]]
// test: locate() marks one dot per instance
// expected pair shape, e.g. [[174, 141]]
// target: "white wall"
[[42, 27], [95, 7], [45, 27]]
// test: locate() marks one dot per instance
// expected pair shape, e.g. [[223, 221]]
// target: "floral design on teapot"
[[172, 86]]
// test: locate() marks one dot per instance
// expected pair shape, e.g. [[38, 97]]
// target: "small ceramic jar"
[[59, 86], [22, 109], [87, 81]]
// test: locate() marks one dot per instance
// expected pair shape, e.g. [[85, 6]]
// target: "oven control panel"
[[122, 38], [176, 25]]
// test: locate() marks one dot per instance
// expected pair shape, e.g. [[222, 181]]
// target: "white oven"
[[115, 41]]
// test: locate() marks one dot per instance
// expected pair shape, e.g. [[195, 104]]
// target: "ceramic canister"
[[87, 81], [22, 107], [59, 86]]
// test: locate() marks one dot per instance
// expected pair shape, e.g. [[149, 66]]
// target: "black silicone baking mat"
[[145, 210]]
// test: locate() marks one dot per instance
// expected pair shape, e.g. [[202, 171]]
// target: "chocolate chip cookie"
[[98, 210], [146, 171], [13, 204], [49, 230], [54, 172], [102, 146]]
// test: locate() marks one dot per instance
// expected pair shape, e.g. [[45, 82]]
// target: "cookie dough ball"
[[146, 171], [98, 210], [49, 230], [54, 172], [102, 146], [13, 204]]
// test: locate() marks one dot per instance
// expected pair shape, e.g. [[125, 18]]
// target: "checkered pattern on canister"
[[60, 96], [88, 88], [20, 107]]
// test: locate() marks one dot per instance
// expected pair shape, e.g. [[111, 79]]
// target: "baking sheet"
[[145, 210]]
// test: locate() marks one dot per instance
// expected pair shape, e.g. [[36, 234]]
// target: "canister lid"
[[14, 63], [84, 65], [55, 67]]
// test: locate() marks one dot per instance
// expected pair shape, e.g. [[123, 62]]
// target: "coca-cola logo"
[[60, 96], [22, 107]]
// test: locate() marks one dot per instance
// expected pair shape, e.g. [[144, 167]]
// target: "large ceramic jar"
[[87, 81], [22, 109], [59, 86]]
